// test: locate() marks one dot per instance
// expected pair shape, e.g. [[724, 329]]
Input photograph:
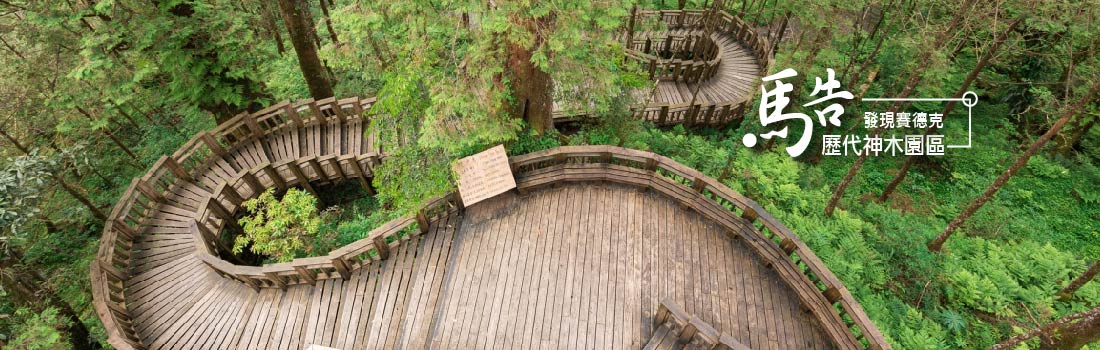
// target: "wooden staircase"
[[675, 329]]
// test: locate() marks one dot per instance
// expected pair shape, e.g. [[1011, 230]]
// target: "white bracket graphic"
[[969, 99]]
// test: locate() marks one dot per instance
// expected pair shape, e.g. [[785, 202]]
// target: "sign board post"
[[483, 175]]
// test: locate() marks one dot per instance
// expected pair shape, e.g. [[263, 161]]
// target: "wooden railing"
[[139, 202], [377, 245], [839, 314], [689, 328], [703, 64], [699, 112]]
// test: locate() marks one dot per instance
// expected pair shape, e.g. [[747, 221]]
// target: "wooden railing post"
[[250, 120], [176, 170], [308, 275], [213, 144], [320, 117], [150, 192], [342, 268], [749, 214], [422, 222], [275, 278], [698, 185], [382, 247], [292, 113], [300, 175]]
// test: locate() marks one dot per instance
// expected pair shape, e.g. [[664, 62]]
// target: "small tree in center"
[[278, 228]]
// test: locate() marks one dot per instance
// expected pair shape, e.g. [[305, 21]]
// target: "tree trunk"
[[328, 23], [14, 142], [298, 25], [1077, 132], [80, 197], [1067, 333], [272, 26], [937, 243], [25, 289], [532, 88], [910, 85], [1066, 293], [947, 108], [782, 31], [109, 134]]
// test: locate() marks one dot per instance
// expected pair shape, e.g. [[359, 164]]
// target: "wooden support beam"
[[316, 166], [360, 174], [335, 164], [252, 182], [221, 212], [232, 195], [275, 177]]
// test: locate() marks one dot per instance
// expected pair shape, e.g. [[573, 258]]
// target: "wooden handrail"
[[147, 192], [704, 65]]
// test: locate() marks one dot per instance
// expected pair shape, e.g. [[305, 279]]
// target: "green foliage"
[[279, 228], [39, 331], [531, 141], [21, 181]]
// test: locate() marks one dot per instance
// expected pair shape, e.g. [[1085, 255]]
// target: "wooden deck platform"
[[581, 266]]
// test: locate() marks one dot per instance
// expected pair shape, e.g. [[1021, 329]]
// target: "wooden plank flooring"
[[734, 80], [581, 266]]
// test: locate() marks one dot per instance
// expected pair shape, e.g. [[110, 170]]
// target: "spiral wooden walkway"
[[600, 248], [714, 87]]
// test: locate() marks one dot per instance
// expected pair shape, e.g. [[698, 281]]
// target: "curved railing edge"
[[110, 267]]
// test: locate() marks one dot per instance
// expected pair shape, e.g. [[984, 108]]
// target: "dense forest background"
[[95, 91]]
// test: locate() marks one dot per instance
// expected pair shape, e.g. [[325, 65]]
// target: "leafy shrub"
[[279, 228]]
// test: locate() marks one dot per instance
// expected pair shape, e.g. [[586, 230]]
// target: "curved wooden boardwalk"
[[714, 88], [602, 248]]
